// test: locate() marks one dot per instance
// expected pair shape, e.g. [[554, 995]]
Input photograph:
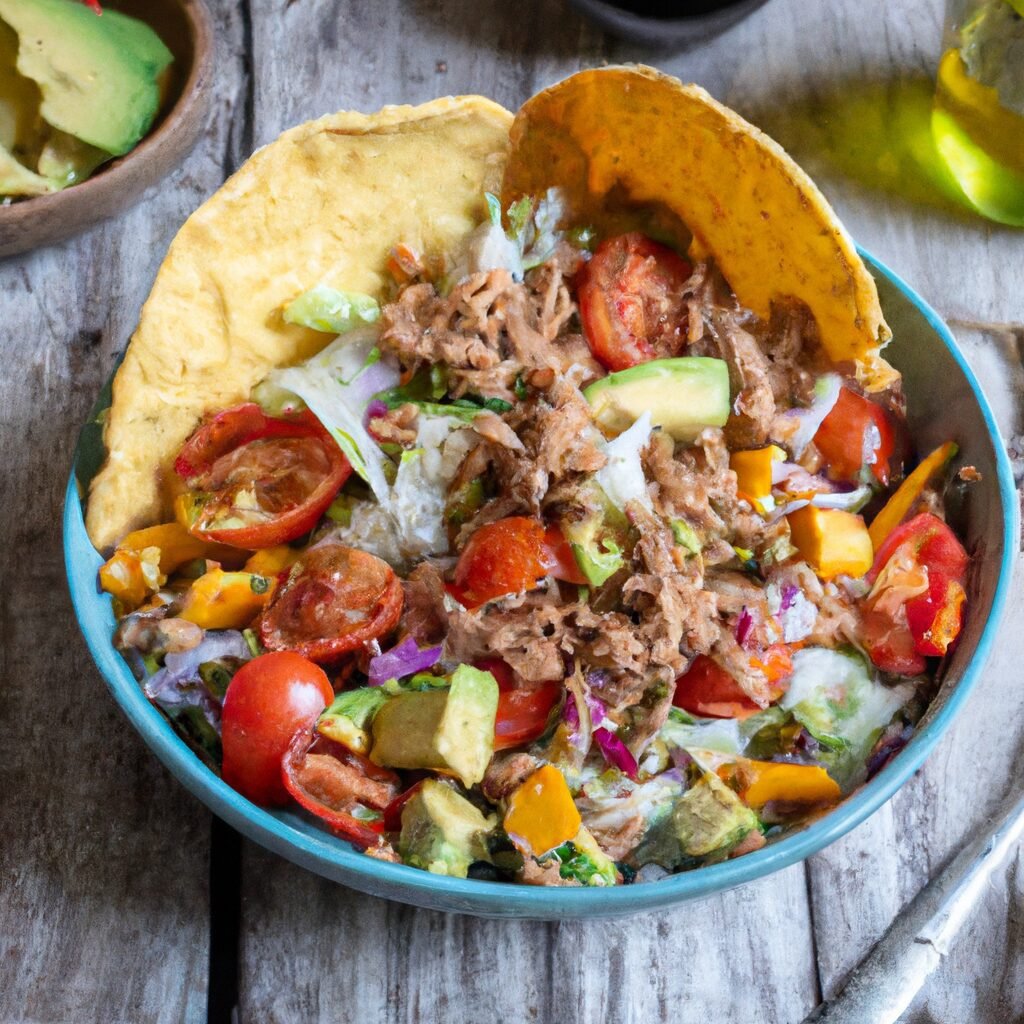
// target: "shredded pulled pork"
[[489, 331]]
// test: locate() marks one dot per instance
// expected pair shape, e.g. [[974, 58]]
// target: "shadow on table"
[[875, 133]]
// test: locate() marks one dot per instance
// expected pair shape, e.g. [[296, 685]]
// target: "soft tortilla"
[[624, 136], [325, 202]]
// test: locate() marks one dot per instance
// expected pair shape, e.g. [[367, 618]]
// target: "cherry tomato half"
[[932, 620], [255, 481], [707, 689], [267, 701], [843, 442], [522, 711], [631, 301], [336, 785], [337, 600], [509, 556]]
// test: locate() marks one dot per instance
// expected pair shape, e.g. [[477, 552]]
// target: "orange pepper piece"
[[541, 813], [831, 542], [225, 600], [760, 782], [902, 501]]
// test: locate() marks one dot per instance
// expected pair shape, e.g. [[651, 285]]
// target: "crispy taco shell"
[[631, 136], [325, 202]]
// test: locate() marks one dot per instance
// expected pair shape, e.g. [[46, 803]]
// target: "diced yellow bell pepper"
[[225, 600], [833, 543], [902, 501], [131, 576], [753, 469], [272, 561], [761, 782], [541, 813]]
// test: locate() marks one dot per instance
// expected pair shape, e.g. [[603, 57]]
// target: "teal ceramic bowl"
[[944, 399]]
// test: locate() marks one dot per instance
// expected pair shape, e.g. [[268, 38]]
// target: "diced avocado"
[[709, 816], [598, 534], [683, 396], [582, 860], [348, 718], [598, 556], [442, 832], [98, 75], [16, 180], [66, 160], [448, 730], [19, 98]]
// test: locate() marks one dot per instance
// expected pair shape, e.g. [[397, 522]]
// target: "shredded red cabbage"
[[615, 752], [401, 661], [373, 410], [744, 626], [789, 592]]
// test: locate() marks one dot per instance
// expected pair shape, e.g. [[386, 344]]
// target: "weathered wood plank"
[[104, 860]]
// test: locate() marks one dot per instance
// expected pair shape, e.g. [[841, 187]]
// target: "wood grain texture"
[[104, 858]]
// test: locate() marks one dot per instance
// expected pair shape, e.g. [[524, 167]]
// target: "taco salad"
[[529, 499]]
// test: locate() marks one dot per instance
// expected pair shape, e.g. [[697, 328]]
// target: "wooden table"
[[122, 900]]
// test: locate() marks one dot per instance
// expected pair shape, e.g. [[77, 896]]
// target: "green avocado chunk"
[[97, 74], [448, 730], [442, 832], [709, 816], [683, 396]]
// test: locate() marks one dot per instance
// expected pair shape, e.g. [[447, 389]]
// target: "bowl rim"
[[336, 859], [201, 33]]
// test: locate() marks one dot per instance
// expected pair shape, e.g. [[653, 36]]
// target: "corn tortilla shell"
[[625, 136], [325, 202]]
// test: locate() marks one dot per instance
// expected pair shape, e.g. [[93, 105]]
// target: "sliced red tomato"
[[844, 441], [558, 559], [336, 601], [707, 689], [927, 622], [522, 711], [889, 642], [631, 301], [255, 481], [393, 811], [345, 790], [267, 700], [509, 556]]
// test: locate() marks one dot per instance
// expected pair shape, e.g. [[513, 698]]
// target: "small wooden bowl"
[[187, 29]]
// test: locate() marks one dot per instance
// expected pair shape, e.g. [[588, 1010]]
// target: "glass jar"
[[978, 112]]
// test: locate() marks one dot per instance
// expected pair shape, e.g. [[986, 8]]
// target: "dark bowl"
[[664, 29], [186, 28], [944, 400]]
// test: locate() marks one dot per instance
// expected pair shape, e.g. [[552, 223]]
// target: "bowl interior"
[[944, 398]]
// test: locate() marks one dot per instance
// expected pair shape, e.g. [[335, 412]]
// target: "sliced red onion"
[[402, 660], [166, 685], [826, 394], [845, 501], [374, 378], [571, 714], [744, 626], [615, 752], [373, 410]]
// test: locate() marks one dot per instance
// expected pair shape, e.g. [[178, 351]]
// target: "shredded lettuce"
[[337, 385], [842, 704], [622, 477], [327, 309]]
